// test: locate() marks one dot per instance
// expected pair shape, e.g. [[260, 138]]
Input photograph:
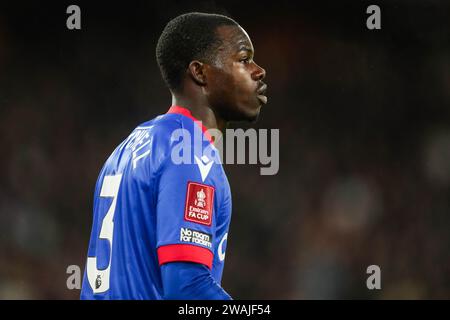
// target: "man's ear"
[[197, 72]]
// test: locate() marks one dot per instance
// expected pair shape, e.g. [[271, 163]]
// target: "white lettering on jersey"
[[220, 249], [137, 141]]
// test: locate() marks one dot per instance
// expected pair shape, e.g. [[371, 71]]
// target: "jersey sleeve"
[[199, 283], [185, 215]]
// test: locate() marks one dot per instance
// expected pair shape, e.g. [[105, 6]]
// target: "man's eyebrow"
[[245, 48]]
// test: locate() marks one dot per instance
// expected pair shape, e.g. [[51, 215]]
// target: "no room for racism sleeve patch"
[[197, 237], [199, 203]]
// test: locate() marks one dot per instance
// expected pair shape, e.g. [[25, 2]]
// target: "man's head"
[[211, 55]]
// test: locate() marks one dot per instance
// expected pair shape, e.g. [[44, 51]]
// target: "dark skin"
[[228, 89]]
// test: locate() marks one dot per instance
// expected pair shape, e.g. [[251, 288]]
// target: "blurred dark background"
[[364, 119]]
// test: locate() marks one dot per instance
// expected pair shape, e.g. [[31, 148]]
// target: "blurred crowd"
[[364, 120]]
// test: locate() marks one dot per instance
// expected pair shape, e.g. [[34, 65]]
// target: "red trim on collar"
[[187, 113]]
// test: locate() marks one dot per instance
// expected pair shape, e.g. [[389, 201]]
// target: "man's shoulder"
[[162, 123], [166, 128], [157, 136], [159, 129]]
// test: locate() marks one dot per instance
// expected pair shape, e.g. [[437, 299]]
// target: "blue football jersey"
[[159, 198]]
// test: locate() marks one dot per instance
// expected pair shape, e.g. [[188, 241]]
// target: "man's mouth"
[[262, 98], [261, 93]]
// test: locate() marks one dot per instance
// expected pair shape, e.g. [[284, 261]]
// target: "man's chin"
[[250, 114], [247, 115], [254, 116]]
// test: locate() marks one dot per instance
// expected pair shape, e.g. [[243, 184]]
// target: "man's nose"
[[259, 73]]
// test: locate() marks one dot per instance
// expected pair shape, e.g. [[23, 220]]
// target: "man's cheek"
[[241, 82]]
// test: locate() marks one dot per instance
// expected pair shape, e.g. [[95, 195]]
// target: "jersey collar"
[[187, 113]]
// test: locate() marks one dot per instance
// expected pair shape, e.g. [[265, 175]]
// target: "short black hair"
[[190, 36]]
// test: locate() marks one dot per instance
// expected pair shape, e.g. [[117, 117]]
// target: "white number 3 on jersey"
[[99, 279]]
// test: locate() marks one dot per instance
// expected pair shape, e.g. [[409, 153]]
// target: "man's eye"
[[245, 60]]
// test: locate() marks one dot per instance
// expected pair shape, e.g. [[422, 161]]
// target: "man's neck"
[[201, 111]]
